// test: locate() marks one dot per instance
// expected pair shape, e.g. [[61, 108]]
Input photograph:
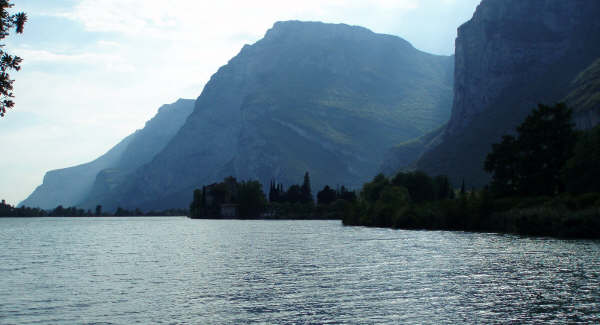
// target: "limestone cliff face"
[[508, 42], [510, 56], [588, 119], [324, 98], [584, 97]]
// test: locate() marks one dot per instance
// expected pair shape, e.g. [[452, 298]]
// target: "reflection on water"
[[176, 270]]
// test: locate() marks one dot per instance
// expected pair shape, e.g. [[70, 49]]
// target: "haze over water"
[[177, 270]]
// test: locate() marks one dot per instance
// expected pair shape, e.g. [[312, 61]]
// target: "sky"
[[94, 71]]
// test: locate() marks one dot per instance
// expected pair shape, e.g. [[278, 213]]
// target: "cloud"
[[108, 44], [184, 17], [110, 62]]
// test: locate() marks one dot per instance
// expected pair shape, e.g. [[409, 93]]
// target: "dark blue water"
[[176, 270]]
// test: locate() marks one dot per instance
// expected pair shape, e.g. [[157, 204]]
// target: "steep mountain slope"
[[584, 97], [68, 186], [323, 98], [510, 56], [72, 186], [404, 156], [155, 135]]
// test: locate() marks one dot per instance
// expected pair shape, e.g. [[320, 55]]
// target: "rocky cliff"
[[510, 56], [584, 97], [323, 98], [73, 186]]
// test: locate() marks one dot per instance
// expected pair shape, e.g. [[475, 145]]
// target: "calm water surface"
[[177, 270]]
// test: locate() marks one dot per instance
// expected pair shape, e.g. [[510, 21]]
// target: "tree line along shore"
[[545, 181]]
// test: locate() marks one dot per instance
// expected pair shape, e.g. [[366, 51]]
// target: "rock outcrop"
[[323, 98], [584, 97], [510, 56]]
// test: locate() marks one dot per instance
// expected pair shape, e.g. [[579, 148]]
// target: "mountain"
[[324, 98], [72, 186], [404, 155], [68, 186], [584, 97], [510, 56]]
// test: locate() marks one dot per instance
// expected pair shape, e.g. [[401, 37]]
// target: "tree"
[[443, 189], [273, 195], [503, 164], [276, 193], [391, 204], [582, 171], [59, 211], [251, 199], [419, 185], [530, 164], [371, 191], [8, 62], [306, 191], [293, 194], [120, 212], [326, 196], [197, 205], [346, 195]]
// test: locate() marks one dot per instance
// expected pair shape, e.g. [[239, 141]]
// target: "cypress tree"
[[306, 192]]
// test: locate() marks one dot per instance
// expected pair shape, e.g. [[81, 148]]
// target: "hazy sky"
[[95, 70]]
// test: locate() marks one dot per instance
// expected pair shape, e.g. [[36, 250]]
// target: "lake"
[[183, 271]]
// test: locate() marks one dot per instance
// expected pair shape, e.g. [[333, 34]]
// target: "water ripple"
[[181, 271]]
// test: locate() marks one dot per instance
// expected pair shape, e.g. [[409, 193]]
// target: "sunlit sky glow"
[[95, 70]]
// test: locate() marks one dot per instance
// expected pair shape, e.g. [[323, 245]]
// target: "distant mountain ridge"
[[69, 186], [324, 98], [511, 56], [72, 186]]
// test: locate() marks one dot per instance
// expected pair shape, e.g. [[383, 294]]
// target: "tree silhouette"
[[419, 185], [582, 171], [326, 196], [306, 191], [251, 199], [371, 191], [275, 192], [293, 194], [443, 188], [346, 195], [502, 163], [8, 62], [531, 163]]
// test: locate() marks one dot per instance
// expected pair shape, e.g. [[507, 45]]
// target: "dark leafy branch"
[[8, 62]]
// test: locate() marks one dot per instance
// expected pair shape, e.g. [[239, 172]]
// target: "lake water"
[[182, 271]]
